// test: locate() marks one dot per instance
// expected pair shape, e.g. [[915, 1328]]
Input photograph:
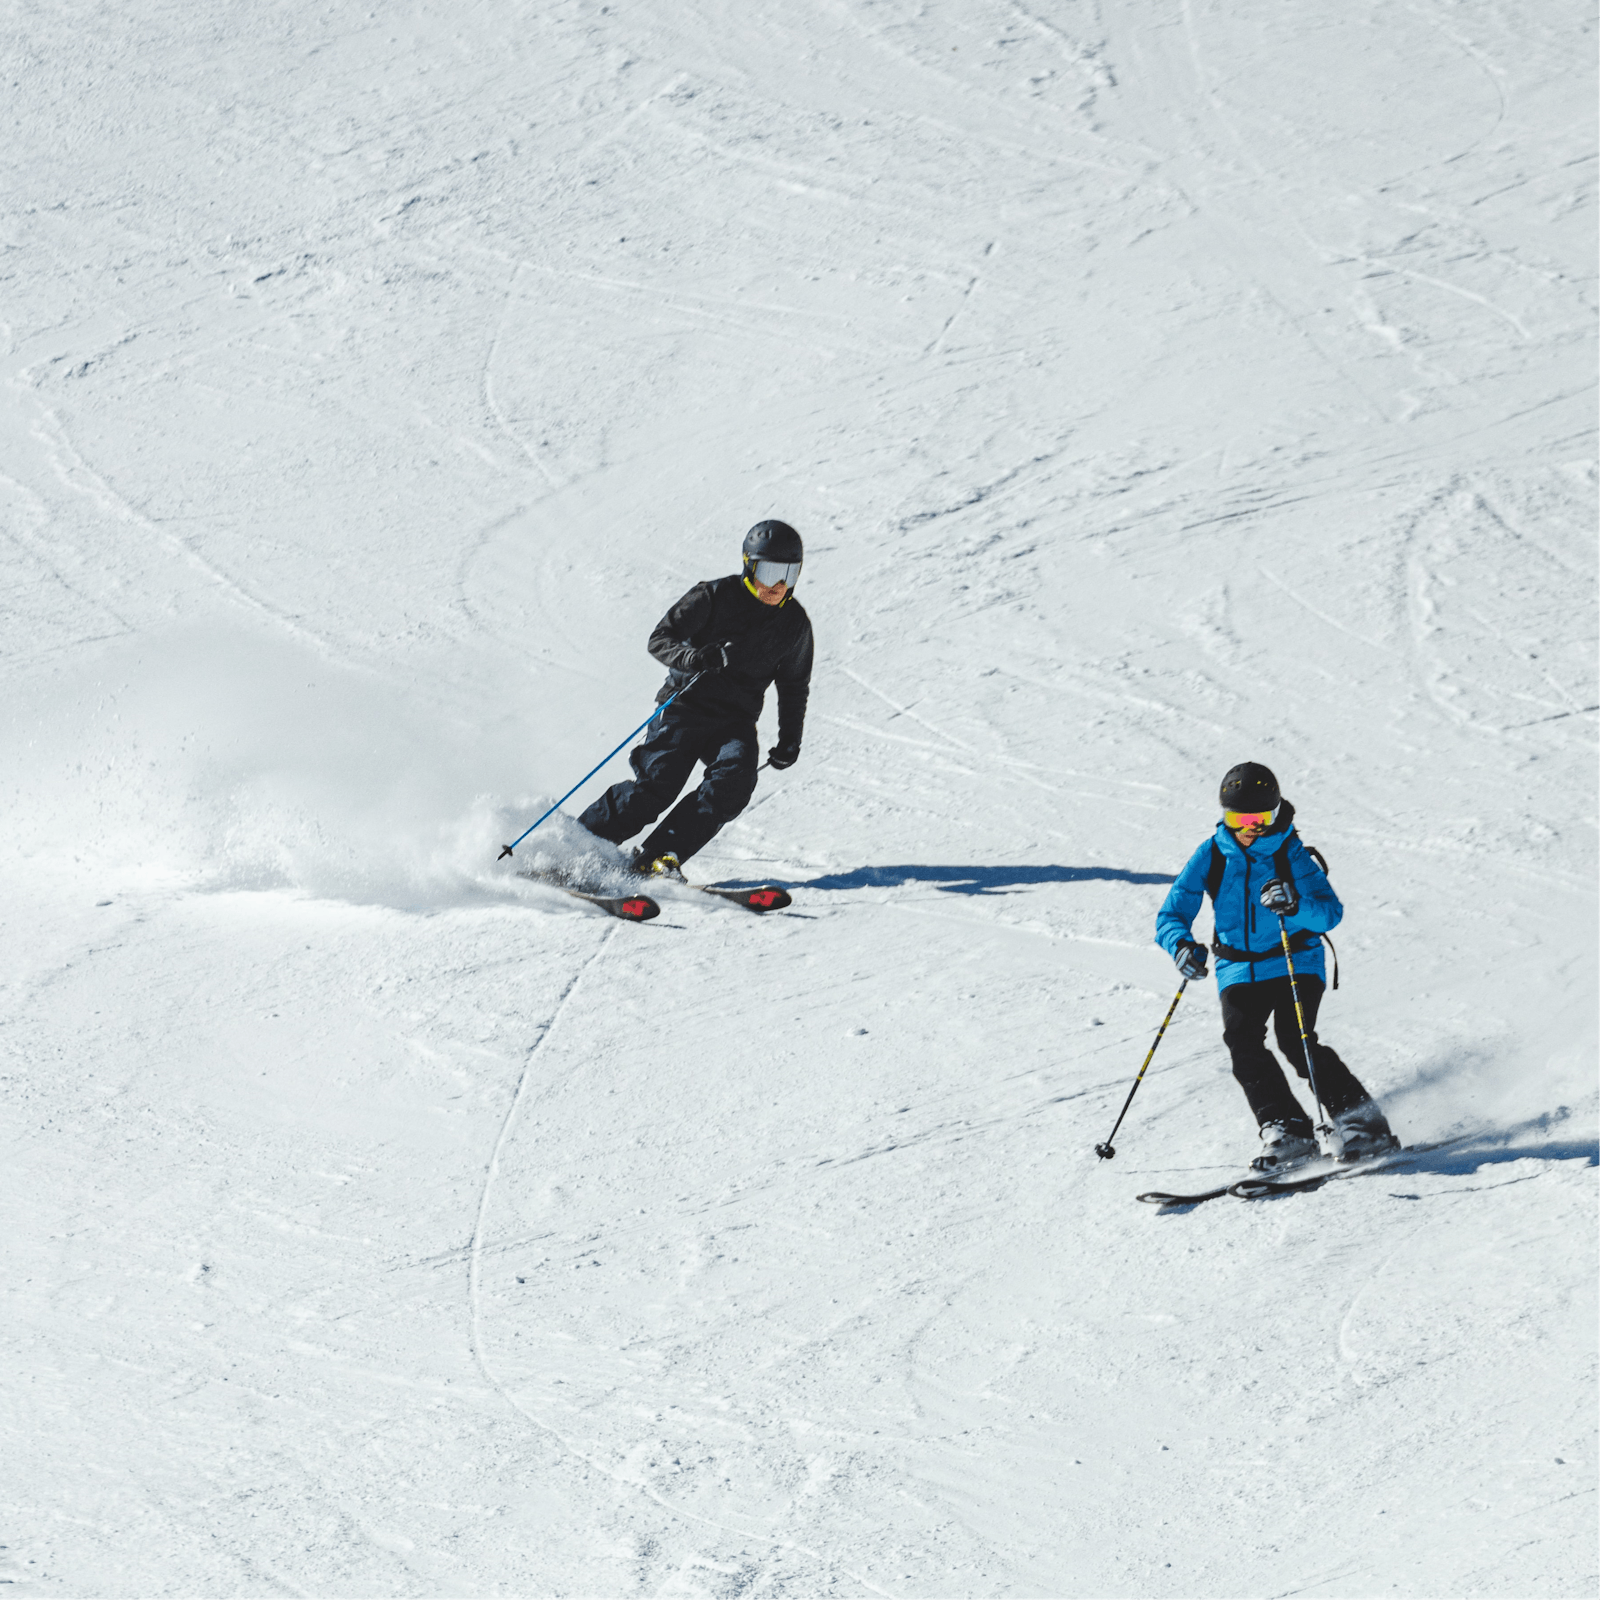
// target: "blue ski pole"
[[594, 769]]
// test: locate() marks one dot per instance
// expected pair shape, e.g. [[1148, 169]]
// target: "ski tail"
[[631, 908], [768, 897], [627, 907]]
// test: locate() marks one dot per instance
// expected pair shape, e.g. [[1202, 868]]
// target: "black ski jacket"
[[766, 644]]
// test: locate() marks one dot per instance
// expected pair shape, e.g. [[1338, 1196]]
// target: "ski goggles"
[[1248, 819], [769, 574]]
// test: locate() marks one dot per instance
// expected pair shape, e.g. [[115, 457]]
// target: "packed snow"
[[1157, 386]]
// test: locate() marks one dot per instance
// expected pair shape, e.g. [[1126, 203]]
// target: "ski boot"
[[661, 866], [1363, 1132], [1283, 1147]]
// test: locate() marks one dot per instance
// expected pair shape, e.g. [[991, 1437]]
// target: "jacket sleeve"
[[1182, 905], [793, 682], [1320, 908], [674, 640]]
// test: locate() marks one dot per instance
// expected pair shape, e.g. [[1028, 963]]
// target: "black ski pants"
[[1246, 1008], [679, 738]]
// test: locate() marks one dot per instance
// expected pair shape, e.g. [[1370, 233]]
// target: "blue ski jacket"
[[1242, 922]]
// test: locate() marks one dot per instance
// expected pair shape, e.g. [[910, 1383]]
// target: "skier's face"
[[770, 594], [1248, 826]]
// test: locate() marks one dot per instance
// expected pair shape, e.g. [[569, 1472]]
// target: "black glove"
[[1280, 896], [1191, 958], [710, 658], [783, 755]]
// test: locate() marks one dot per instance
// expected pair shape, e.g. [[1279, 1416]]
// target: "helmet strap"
[[750, 583]]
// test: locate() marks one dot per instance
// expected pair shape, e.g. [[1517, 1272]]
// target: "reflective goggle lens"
[[1249, 819], [771, 573]]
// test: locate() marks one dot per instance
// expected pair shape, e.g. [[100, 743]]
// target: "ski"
[[765, 897], [1263, 1187], [1302, 1178], [769, 897], [1160, 1197], [1260, 1185], [628, 907], [1311, 1175]]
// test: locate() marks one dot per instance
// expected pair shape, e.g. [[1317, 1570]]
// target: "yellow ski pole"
[[1107, 1150], [1300, 1017]]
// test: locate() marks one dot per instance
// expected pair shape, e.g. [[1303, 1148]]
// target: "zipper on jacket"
[[1249, 914]]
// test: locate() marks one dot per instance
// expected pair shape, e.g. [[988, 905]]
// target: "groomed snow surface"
[[1158, 384]]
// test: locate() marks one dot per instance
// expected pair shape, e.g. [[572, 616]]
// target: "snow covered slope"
[[1157, 386]]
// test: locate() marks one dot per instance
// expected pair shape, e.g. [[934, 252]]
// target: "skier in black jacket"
[[739, 634]]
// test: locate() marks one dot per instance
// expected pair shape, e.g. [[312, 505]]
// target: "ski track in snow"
[[1155, 388], [475, 1254]]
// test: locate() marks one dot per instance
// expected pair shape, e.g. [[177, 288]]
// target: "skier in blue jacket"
[[1255, 867]]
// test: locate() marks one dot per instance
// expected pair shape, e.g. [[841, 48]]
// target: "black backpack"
[[1301, 938]]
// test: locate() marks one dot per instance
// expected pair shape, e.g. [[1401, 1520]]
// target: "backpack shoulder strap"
[[1280, 859], [1281, 870], [1214, 872]]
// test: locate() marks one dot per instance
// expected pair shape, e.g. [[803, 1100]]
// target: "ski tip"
[[1181, 1202]]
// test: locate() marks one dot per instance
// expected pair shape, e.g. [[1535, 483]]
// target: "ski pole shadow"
[[976, 880]]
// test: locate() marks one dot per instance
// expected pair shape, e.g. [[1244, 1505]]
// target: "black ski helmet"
[[773, 541], [1249, 787]]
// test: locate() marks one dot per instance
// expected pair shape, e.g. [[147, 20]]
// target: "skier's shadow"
[[976, 880], [1473, 1155]]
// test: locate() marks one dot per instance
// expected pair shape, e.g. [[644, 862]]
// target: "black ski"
[[1258, 1185], [769, 897], [1172, 1202], [629, 907], [1263, 1186], [766, 897], [1156, 1197], [1301, 1178]]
